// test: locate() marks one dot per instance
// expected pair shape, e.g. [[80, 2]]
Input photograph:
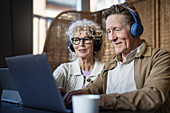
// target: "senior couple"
[[136, 78]]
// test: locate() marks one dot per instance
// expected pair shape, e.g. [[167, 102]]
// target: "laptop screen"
[[32, 75]]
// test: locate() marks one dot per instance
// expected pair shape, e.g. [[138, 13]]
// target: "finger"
[[70, 102], [65, 97], [69, 98], [61, 88], [77, 92], [62, 91], [69, 95]]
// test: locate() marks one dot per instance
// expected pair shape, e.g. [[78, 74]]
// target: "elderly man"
[[138, 76]]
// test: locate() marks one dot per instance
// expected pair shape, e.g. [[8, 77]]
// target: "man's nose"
[[112, 36]]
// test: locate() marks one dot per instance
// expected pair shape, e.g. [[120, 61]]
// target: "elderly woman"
[[84, 39]]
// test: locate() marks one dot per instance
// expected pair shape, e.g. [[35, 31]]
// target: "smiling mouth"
[[82, 50], [117, 43]]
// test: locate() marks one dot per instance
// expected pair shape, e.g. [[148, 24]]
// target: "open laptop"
[[33, 78], [9, 93]]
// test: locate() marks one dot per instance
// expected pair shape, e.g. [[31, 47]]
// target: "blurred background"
[[24, 23], [45, 10]]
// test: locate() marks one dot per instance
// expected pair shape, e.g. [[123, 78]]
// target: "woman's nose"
[[81, 42]]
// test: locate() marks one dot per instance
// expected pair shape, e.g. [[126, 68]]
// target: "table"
[[15, 108]]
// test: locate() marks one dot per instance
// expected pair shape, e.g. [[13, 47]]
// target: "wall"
[[16, 28], [155, 16]]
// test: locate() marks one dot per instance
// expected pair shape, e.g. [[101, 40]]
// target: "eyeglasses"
[[77, 40]]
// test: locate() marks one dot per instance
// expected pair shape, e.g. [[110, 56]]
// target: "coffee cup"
[[85, 103]]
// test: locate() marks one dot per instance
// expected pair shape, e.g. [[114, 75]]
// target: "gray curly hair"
[[91, 28]]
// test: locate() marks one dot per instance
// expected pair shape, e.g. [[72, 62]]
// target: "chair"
[[56, 46]]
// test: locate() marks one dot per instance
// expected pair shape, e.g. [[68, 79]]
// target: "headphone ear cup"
[[72, 48], [97, 45], [136, 30], [70, 45]]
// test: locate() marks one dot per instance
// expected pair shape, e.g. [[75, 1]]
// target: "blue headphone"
[[137, 28]]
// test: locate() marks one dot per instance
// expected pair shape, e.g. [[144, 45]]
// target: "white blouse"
[[68, 75]]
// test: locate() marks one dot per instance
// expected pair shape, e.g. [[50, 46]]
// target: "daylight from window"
[[45, 10]]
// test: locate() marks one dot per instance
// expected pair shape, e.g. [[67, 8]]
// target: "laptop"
[[32, 75], [9, 93]]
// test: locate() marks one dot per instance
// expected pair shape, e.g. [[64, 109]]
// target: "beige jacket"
[[152, 77], [68, 75]]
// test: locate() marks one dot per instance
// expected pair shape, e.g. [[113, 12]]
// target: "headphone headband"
[[135, 16], [136, 28]]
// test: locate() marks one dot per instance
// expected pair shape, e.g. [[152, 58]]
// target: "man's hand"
[[101, 102], [68, 96], [62, 91]]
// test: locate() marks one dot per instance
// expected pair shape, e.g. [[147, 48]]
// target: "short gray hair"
[[118, 9]]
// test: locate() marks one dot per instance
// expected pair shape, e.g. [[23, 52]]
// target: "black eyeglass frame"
[[72, 40]]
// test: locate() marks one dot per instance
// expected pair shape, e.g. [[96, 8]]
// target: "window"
[[45, 10], [43, 13], [97, 5]]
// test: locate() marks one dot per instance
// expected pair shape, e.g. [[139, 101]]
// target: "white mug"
[[85, 103]]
